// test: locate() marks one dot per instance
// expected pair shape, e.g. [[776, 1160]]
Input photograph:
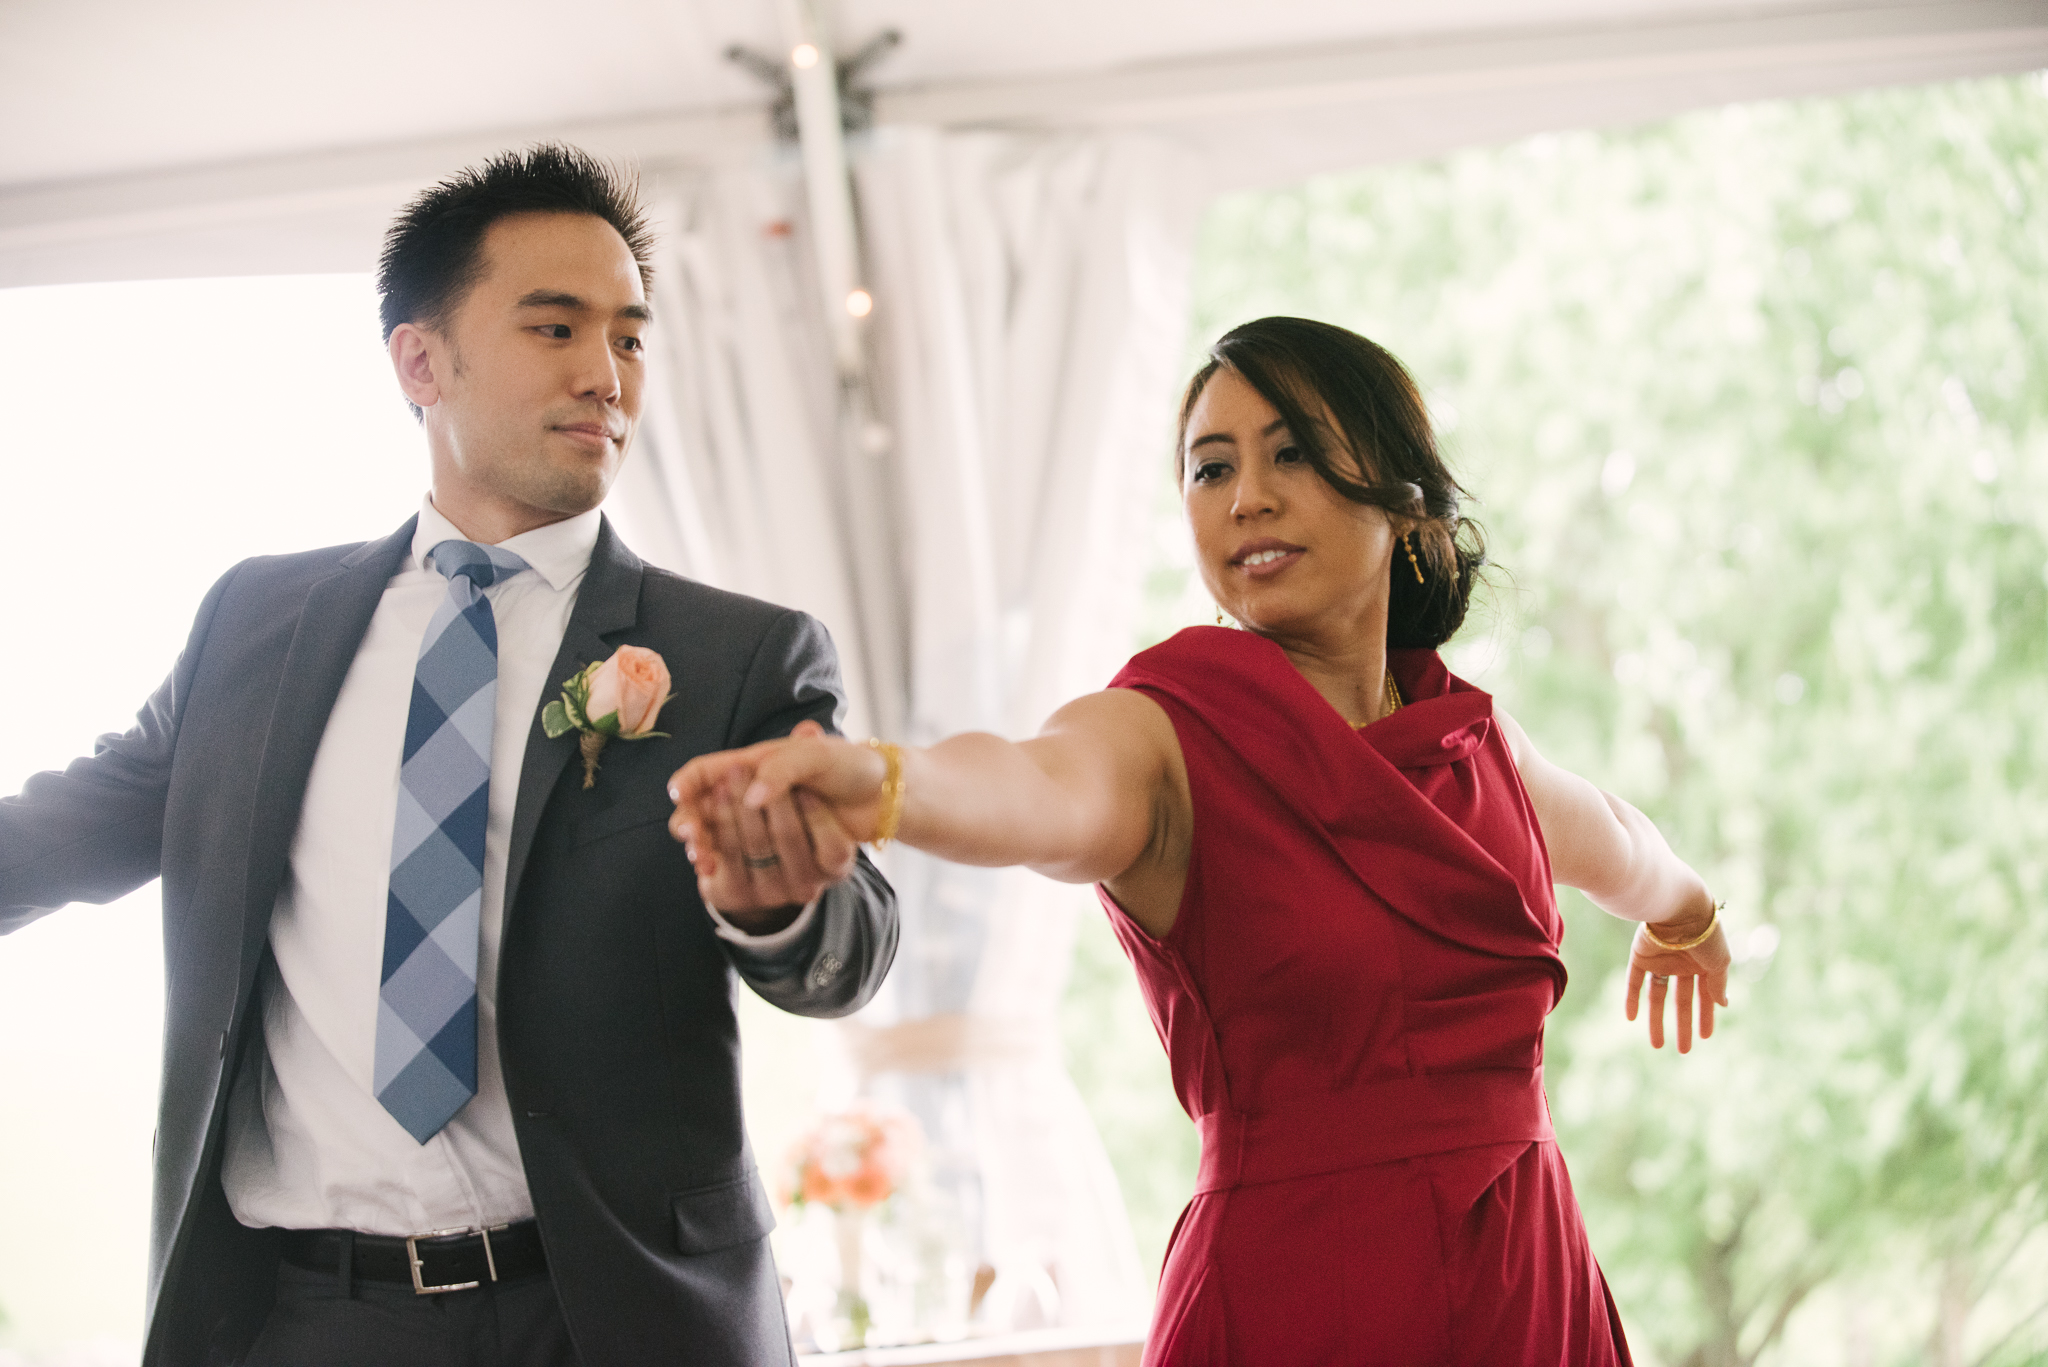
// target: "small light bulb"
[[860, 303], [804, 55]]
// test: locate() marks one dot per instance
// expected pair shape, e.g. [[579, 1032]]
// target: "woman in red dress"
[[1331, 863]]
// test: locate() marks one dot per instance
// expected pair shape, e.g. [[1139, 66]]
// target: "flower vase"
[[852, 1310]]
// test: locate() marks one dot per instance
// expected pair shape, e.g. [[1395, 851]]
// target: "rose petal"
[[605, 691]]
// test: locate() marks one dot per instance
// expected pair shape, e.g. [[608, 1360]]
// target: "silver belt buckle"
[[412, 1256]]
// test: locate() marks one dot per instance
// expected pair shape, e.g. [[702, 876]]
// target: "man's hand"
[[758, 865]]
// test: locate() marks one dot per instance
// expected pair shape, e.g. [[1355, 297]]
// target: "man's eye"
[[558, 331], [632, 344]]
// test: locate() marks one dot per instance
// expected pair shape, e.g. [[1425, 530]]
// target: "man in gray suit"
[[451, 1073]]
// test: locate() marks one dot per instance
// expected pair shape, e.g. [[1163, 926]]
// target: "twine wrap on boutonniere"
[[619, 697]]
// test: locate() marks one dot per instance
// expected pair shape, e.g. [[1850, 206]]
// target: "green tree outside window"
[[1756, 405]]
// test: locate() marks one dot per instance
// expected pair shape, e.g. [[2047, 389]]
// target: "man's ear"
[[413, 359]]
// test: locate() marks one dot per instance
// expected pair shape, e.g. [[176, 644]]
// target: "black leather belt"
[[449, 1260]]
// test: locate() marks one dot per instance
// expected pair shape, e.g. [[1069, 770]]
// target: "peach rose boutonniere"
[[619, 697]]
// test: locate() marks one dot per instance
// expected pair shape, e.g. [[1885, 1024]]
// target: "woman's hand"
[[1615, 855], [782, 849], [1701, 973]]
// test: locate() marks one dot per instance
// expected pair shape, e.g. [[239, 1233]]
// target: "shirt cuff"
[[774, 940]]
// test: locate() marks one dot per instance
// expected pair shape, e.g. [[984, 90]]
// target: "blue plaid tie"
[[426, 1005]]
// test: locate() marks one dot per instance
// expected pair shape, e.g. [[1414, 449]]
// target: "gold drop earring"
[[1408, 544], [1219, 615]]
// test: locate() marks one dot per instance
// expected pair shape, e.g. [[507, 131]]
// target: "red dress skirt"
[[1352, 999]]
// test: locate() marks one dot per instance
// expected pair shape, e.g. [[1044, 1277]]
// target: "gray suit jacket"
[[615, 1011]]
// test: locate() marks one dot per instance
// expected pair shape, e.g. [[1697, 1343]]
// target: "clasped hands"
[[772, 826]]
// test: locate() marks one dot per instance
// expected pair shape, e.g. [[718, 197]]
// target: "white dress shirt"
[[309, 1146]]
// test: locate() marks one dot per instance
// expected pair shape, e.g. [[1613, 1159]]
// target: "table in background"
[[1037, 1348]]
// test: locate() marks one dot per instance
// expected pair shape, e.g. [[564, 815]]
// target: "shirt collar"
[[558, 552]]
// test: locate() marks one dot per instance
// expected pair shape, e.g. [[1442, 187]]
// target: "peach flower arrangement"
[[850, 1162], [853, 1159]]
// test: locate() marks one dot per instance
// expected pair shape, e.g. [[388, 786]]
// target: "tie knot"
[[481, 565]]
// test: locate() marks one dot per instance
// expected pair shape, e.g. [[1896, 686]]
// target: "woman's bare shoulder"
[[1519, 745]]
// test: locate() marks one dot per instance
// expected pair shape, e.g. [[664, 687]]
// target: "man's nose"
[[597, 372]]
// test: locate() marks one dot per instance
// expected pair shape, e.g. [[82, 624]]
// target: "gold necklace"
[[1392, 698]]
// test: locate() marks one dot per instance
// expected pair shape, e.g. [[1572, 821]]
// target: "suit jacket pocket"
[[711, 1218], [627, 815]]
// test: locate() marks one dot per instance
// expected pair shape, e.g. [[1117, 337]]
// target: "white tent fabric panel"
[[1037, 303], [1034, 295], [734, 480]]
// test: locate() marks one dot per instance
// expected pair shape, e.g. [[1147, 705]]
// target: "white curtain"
[[976, 549]]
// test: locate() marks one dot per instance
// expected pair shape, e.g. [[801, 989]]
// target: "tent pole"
[[863, 442], [814, 78]]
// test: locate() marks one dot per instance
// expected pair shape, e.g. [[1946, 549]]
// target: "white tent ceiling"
[[218, 135]]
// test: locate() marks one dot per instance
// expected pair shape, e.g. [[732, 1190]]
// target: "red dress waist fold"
[[1374, 1122]]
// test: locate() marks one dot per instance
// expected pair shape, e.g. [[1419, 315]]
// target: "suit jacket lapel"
[[331, 625], [608, 604]]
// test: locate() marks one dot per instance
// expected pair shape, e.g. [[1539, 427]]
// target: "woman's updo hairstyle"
[[1306, 369]]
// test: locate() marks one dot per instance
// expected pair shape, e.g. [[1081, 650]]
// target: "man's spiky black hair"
[[433, 253]]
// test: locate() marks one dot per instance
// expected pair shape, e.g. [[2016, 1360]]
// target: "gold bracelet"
[[892, 792], [1694, 943]]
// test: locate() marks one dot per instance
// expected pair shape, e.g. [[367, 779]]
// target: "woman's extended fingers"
[[1702, 974]]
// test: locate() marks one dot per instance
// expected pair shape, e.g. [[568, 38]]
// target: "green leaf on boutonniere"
[[608, 724], [554, 719]]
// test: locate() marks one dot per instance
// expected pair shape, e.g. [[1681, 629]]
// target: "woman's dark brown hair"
[[1381, 453]]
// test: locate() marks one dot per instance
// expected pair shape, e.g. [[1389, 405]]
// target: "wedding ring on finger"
[[1658, 978], [761, 861]]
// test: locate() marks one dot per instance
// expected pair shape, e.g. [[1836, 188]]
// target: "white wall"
[[155, 433]]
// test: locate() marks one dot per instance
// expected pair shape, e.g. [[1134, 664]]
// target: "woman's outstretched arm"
[[1616, 856], [1081, 802]]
